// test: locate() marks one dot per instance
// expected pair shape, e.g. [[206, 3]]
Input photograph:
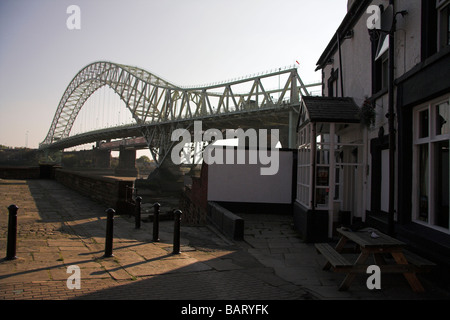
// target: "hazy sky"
[[187, 42]]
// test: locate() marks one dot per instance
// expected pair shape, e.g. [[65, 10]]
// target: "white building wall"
[[356, 63], [357, 74], [408, 36], [356, 51]]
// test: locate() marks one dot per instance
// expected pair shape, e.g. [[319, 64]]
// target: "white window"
[[326, 165], [304, 166], [443, 7], [431, 164]]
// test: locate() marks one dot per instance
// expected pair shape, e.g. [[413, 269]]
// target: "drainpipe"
[[391, 115], [340, 65]]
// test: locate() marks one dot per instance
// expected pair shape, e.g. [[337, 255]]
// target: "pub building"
[[374, 149]]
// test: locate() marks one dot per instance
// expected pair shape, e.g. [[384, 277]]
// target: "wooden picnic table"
[[376, 243]]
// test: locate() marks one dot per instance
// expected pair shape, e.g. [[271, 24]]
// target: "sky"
[[187, 42]]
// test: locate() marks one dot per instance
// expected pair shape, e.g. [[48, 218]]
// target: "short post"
[[156, 207], [109, 232], [137, 214], [12, 233], [176, 232]]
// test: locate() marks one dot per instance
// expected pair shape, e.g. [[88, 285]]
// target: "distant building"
[[344, 163]]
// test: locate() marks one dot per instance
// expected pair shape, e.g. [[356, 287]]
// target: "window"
[[429, 30], [443, 8], [380, 59], [380, 73], [380, 62], [323, 152], [326, 165], [442, 117], [304, 166], [435, 26], [423, 123], [442, 187], [384, 71], [333, 83], [431, 165], [424, 178]]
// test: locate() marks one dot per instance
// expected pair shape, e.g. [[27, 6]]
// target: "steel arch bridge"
[[159, 107]]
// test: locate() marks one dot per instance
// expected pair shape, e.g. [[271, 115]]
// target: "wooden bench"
[[333, 257], [377, 246], [421, 264]]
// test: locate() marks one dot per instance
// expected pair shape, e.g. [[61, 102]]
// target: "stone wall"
[[226, 221], [42, 171], [21, 173], [110, 191]]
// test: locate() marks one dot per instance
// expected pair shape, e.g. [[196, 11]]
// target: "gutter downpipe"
[[391, 227], [340, 64]]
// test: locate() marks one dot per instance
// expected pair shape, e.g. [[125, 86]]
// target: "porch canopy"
[[329, 160], [328, 109]]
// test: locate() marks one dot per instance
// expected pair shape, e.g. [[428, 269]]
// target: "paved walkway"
[[275, 244], [58, 228]]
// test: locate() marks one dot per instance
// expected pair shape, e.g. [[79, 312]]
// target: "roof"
[[330, 109]]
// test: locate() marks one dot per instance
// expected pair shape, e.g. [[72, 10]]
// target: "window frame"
[[333, 83], [317, 153], [431, 141], [443, 23], [304, 168], [380, 70]]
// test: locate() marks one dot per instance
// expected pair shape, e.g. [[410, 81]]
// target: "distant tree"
[[144, 164], [143, 160], [114, 162]]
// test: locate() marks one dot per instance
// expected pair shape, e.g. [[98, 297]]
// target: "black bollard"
[[176, 232], [137, 214], [12, 233], [156, 207], [109, 232]]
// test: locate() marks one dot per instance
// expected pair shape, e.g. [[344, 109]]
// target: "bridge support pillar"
[[292, 130], [167, 178], [284, 138], [127, 163], [288, 134]]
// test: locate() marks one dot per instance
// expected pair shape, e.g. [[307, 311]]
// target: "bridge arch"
[[130, 83]]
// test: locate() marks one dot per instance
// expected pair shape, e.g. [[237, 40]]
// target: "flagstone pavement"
[[59, 228]]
